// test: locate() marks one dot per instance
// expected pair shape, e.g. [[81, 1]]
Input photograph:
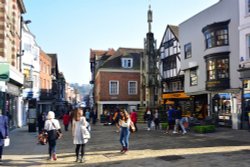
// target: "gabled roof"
[[175, 31], [114, 61]]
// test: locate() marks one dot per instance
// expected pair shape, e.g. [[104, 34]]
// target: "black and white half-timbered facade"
[[172, 78]]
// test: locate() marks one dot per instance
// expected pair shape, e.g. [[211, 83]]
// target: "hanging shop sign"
[[4, 72]]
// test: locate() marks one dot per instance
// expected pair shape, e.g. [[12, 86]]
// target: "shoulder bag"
[[84, 130]]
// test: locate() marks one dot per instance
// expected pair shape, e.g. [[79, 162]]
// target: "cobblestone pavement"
[[225, 147]]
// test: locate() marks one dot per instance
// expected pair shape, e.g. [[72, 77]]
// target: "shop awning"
[[181, 95], [247, 96]]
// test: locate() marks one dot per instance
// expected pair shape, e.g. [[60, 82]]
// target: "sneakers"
[[54, 157], [184, 132], [82, 160], [149, 129], [174, 132]]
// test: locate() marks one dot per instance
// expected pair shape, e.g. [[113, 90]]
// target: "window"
[[248, 6], [248, 47], [216, 34], [218, 69], [193, 77], [216, 38], [127, 62], [169, 63], [113, 87], [132, 87], [187, 51]]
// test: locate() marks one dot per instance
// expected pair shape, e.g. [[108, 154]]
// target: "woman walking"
[[4, 132], [52, 126], [78, 121], [124, 123]]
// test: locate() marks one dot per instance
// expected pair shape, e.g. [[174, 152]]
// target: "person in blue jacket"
[[4, 132]]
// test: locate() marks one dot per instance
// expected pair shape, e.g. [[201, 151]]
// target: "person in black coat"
[[4, 132]]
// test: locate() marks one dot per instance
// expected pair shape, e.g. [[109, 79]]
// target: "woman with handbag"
[[4, 132], [79, 122], [52, 126], [124, 123]]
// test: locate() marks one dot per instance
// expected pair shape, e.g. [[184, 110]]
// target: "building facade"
[[244, 53], [45, 102], [209, 52], [117, 81], [31, 72], [11, 78], [172, 78]]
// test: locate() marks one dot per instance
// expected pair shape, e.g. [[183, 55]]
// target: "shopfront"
[[179, 99], [245, 78], [222, 108]]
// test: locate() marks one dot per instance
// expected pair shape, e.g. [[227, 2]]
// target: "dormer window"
[[127, 62]]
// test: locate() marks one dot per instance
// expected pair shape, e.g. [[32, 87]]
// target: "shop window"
[[217, 69], [113, 87], [188, 51], [193, 77]]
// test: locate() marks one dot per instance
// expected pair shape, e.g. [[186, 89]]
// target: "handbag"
[[58, 134], [43, 137], [85, 132], [6, 142], [132, 127]]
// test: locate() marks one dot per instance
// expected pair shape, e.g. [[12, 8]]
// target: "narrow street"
[[225, 147]]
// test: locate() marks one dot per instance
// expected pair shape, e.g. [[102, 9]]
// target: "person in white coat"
[[78, 121]]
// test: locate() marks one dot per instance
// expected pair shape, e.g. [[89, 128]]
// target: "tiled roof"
[[175, 30], [114, 62], [94, 53]]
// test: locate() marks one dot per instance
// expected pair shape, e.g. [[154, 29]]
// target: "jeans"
[[52, 147], [183, 119], [124, 137], [1, 151], [149, 123]]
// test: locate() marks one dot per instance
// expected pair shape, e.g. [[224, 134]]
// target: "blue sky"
[[72, 28]]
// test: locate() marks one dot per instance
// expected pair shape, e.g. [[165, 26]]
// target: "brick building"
[[117, 81], [46, 96]]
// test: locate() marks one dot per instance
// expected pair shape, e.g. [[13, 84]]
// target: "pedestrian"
[[177, 114], [4, 132], [52, 126], [94, 117], [41, 120], [171, 121], [66, 121], [116, 119], [149, 118], [156, 119], [133, 117], [87, 115], [78, 121], [124, 123]]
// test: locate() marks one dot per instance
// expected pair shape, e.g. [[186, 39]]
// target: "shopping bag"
[[6, 142]]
